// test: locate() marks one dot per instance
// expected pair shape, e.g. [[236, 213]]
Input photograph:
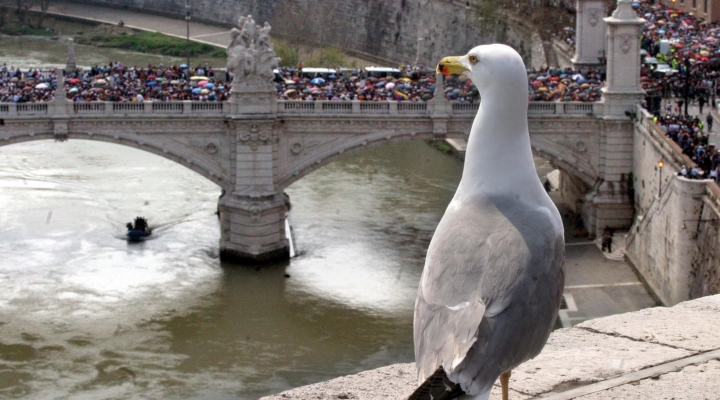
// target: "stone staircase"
[[618, 247]]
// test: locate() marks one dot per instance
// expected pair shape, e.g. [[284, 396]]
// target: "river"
[[86, 315]]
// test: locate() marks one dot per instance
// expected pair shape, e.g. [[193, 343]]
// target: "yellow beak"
[[451, 65]]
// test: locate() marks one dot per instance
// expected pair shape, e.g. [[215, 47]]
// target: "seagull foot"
[[437, 387]]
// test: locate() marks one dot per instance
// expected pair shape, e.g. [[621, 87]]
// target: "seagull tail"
[[437, 387]]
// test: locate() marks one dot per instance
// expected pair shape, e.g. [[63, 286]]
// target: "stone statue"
[[250, 54]]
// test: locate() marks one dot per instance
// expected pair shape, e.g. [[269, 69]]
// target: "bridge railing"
[[154, 108], [196, 108], [15, 109], [456, 108]]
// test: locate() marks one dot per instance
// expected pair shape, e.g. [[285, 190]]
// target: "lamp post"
[[660, 164], [187, 19]]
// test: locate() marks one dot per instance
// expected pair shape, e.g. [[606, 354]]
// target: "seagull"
[[492, 284]]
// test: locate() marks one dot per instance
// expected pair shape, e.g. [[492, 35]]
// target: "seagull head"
[[493, 68]]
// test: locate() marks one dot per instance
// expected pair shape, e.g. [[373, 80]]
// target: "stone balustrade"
[[100, 108]]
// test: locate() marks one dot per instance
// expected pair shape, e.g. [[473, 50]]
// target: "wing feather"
[[486, 259]]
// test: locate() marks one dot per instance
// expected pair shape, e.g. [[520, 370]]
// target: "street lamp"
[[187, 19], [660, 165]]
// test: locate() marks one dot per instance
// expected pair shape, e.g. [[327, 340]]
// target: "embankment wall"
[[674, 241], [388, 29]]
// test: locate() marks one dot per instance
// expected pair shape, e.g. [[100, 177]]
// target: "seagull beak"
[[451, 65]]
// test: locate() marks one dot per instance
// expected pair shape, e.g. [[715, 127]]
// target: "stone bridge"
[[254, 157], [254, 146]]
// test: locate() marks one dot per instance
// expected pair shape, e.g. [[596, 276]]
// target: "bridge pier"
[[253, 230], [609, 204]]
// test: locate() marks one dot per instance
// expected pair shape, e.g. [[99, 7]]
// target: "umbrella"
[[71, 81], [390, 86], [317, 81], [332, 77], [174, 82], [73, 90], [380, 84], [406, 80], [196, 91], [42, 86], [289, 81], [221, 87], [152, 83], [291, 91], [202, 83], [537, 83], [183, 65], [209, 85], [204, 91], [199, 78]]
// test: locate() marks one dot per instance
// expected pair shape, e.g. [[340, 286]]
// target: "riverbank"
[[106, 20]]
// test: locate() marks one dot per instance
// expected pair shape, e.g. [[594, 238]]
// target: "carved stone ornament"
[[255, 213], [250, 54], [580, 146], [625, 42], [297, 148], [211, 148], [255, 137], [593, 16]]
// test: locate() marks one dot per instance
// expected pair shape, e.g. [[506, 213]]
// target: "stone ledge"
[[590, 353]]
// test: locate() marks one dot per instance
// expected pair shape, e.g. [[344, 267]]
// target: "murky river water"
[[86, 315]]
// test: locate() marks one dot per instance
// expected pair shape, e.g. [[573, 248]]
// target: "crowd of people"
[[26, 87], [418, 84], [688, 45], [118, 83], [691, 134]]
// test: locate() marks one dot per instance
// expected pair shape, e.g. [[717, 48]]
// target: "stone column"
[[71, 66], [623, 90], [589, 33], [609, 203]]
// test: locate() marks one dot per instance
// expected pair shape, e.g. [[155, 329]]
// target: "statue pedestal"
[[253, 99]]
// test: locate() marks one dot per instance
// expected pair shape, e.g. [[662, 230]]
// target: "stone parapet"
[[640, 355]]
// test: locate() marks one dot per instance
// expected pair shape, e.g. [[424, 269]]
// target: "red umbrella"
[[554, 79], [74, 80], [537, 83]]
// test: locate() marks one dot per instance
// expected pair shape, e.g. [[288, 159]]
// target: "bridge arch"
[[176, 152], [336, 151]]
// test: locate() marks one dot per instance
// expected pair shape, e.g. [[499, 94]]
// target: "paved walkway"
[[658, 353], [199, 32]]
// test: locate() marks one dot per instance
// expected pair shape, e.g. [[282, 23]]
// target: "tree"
[[44, 5], [23, 8]]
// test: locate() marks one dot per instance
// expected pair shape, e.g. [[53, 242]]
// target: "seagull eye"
[[473, 59]]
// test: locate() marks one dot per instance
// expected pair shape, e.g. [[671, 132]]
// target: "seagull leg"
[[505, 382]]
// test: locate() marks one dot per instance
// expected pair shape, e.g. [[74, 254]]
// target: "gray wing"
[[490, 290]]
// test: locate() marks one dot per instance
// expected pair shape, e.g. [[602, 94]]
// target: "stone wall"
[[705, 267], [673, 242], [572, 191], [388, 29], [649, 354]]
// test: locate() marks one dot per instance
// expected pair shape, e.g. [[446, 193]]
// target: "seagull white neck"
[[499, 157]]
